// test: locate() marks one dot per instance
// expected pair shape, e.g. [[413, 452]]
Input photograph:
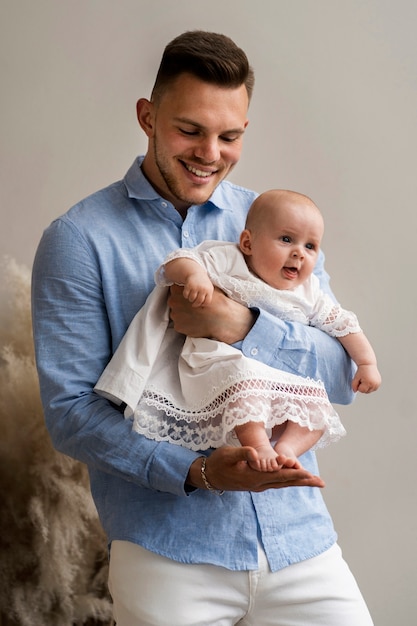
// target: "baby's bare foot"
[[288, 461], [287, 456], [266, 461]]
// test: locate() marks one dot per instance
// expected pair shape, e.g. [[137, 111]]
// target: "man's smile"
[[198, 172]]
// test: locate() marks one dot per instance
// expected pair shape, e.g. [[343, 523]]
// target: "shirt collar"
[[139, 187], [137, 184]]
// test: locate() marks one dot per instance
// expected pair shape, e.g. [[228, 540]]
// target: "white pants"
[[150, 590]]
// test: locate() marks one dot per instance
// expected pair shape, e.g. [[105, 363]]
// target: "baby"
[[280, 245], [202, 393]]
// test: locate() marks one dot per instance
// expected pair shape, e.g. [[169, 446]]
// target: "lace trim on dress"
[[340, 323], [211, 424]]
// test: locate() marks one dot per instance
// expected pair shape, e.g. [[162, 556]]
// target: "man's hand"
[[223, 319], [227, 468]]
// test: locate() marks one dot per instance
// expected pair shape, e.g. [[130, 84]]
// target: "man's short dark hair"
[[211, 57]]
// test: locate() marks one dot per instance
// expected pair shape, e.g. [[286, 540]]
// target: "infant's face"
[[284, 250]]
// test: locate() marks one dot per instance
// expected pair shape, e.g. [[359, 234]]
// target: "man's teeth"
[[193, 170]]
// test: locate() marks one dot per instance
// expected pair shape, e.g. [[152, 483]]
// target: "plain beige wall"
[[334, 115]]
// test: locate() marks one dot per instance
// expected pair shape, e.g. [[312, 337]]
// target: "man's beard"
[[171, 180]]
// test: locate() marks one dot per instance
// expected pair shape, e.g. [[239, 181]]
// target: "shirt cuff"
[[169, 469], [254, 345]]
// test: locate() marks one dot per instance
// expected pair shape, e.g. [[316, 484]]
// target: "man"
[[181, 553]]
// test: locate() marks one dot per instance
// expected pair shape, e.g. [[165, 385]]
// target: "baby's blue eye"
[[286, 239]]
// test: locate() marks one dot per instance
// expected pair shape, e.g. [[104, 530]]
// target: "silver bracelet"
[[218, 492]]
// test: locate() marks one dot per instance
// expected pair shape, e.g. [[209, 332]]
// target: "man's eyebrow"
[[229, 131]]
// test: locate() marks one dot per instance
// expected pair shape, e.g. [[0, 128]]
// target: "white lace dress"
[[194, 391]]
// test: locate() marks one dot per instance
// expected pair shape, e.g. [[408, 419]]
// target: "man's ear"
[[145, 111], [245, 242]]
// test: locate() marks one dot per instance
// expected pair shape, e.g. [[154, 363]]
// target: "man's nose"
[[207, 150]]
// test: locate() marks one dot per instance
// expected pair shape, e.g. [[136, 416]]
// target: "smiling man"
[[265, 551], [195, 132]]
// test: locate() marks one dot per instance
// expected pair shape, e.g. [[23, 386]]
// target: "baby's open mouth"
[[291, 271]]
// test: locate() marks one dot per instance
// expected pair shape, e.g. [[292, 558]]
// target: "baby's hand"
[[198, 289], [366, 379]]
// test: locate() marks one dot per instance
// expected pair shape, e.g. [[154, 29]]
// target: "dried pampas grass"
[[53, 553]]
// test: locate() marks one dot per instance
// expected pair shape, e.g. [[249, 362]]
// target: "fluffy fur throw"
[[53, 560]]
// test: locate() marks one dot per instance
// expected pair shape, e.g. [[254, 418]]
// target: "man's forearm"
[[303, 350]]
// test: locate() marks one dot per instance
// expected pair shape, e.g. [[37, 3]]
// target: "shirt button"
[[186, 234], [164, 204], [254, 351]]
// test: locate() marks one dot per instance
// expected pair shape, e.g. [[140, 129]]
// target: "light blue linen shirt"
[[92, 272]]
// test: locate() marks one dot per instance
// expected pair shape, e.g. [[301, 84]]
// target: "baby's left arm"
[[367, 377]]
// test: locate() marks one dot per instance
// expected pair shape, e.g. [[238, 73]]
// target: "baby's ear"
[[245, 242]]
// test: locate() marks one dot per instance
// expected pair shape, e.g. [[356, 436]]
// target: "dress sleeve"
[[328, 315], [338, 322], [181, 253], [214, 256]]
